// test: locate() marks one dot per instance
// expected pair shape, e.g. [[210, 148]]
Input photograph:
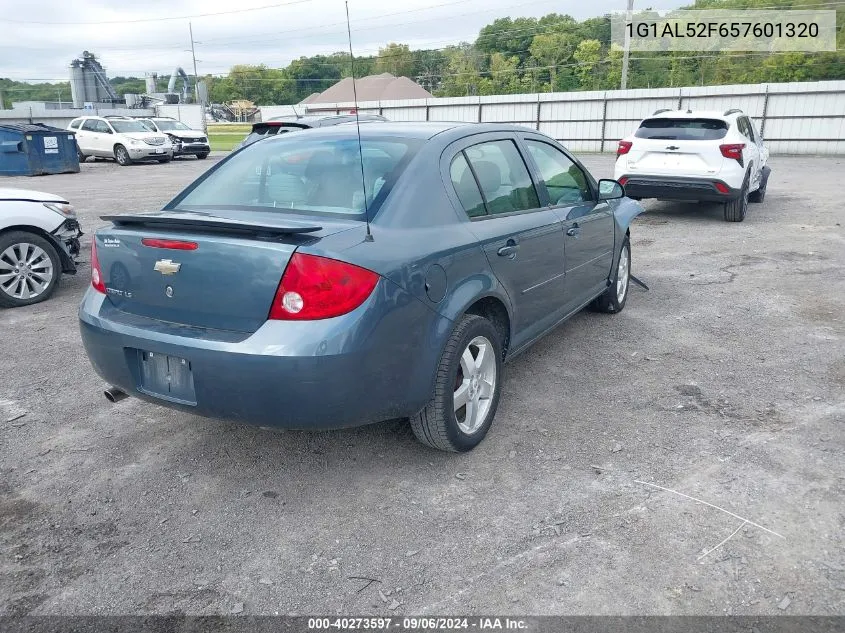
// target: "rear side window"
[[90, 125], [503, 177], [466, 187], [683, 129], [75, 124]]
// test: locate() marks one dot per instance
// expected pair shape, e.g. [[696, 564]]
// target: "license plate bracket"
[[167, 377]]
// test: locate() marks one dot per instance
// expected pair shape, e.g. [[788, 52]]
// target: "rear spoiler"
[[209, 223]]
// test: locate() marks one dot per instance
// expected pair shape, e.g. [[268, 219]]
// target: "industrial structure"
[[89, 84]]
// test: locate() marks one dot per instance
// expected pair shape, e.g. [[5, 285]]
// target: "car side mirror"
[[610, 190]]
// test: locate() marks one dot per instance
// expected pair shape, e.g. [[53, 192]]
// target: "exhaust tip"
[[113, 394]]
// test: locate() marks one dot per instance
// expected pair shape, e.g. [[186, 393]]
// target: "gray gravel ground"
[[724, 382]]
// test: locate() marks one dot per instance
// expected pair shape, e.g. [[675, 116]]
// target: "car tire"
[[202, 156], [475, 348], [44, 270], [735, 210], [82, 157], [121, 156], [167, 159], [613, 299]]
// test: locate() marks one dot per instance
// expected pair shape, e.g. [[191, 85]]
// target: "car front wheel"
[[121, 155], [467, 388], [29, 269], [202, 156]]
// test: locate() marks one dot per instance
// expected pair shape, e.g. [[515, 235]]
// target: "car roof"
[[423, 130]]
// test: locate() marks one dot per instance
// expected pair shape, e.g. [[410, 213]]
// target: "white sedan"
[[39, 239]]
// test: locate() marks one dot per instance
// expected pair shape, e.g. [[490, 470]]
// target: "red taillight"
[[623, 148], [96, 273], [722, 187], [733, 150], [623, 180], [320, 288], [177, 245]]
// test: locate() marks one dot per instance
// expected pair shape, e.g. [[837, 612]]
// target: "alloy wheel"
[[623, 274], [475, 385], [26, 271]]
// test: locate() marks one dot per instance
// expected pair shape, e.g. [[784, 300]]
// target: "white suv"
[[685, 155], [121, 138]]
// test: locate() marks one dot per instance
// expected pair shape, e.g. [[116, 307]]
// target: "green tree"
[[588, 56], [552, 50], [462, 77], [395, 59]]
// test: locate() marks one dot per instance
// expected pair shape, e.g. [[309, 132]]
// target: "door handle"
[[573, 231], [508, 250]]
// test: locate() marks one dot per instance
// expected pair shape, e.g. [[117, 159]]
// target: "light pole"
[[627, 49], [194, 57]]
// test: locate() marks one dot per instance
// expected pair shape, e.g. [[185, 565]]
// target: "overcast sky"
[[43, 36]]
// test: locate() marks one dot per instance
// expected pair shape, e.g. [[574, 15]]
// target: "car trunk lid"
[[682, 146], [208, 270]]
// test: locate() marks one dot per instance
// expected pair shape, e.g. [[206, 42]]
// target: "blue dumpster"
[[34, 149]]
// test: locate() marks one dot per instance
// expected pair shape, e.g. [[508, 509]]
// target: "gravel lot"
[[725, 382]]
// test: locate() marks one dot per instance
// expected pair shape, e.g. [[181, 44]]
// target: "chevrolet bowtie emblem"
[[167, 267]]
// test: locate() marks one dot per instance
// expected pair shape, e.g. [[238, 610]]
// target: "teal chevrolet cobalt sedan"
[[326, 280]]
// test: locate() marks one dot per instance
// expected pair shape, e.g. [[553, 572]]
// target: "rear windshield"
[[298, 174], [683, 129], [268, 130]]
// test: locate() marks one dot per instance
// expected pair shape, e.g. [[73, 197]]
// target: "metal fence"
[[190, 114], [794, 118]]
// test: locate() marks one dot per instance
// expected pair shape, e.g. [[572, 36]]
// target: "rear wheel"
[[82, 157], [202, 156], [735, 210], [121, 155], [613, 299], [760, 194], [467, 388], [29, 269]]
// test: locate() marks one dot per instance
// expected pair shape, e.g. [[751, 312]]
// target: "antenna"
[[369, 237]]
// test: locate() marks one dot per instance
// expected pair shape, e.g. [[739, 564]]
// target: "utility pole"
[[627, 50], [194, 56]]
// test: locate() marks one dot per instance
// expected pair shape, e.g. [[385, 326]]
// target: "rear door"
[[682, 146], [588, 227], [521, 238]]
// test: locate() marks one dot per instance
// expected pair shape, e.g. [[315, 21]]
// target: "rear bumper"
[[674, 188], [334, 373]]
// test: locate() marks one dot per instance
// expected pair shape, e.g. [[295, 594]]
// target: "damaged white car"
[[39, 240]]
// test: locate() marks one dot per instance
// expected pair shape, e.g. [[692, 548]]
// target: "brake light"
[[722, 187], [96, 273], [315, 287], [178, 245], [623, 180], [733, 150], [623, 148]]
